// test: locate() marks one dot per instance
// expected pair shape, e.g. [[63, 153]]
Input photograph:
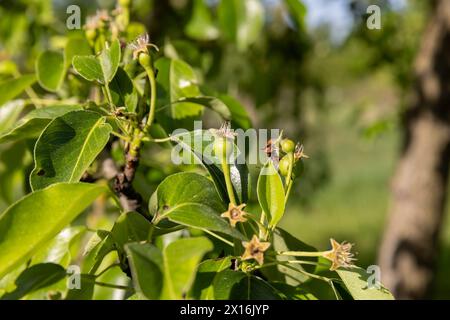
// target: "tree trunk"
[[419, 187]]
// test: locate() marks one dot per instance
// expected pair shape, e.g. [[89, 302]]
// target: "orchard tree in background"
[[419, 189]]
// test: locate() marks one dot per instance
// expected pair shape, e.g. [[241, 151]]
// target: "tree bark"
[[419, 188], [129, 198]]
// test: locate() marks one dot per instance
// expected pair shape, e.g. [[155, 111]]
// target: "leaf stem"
[[107, 285], [108, 96], [315, 276], [242, 229], [255, 219], [114, 286], [215, 235], [106, 269], [227, 175], [302, 253], [151, 113], [289, 181], [120, 136], [150, 232], [276, 262]]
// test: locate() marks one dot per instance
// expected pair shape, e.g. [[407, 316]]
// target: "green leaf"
[[227, 107], [97, 248], [13, 158], [7, 283], [177, 80], [292, 292], [86, 290], [237, 285], [109, 60], [225, 281], [212, 103], [10, 113], [57, 250], [88, 67], [75, 46], [39, 216], [201, 26], [239, 116], [114, 276], [102, 68], [67, 147], [198, 145], [181, 260], [298, 12], [130, 227], [146, 263], [191, 199], [207, 271], [11, 88], [34, 278], [271, 193], [50, 70], [123, 91], [357, 280], [32, 125], [284, 241], [241, 21], [228, 17]]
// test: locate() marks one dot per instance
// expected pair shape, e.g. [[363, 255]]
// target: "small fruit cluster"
[[289, 164]]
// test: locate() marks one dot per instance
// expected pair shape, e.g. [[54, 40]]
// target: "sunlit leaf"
[[75, 46], [123, 91], [34, 278], [88, 67], [50, 70], [28, 224], [201, 26], [198, 145], [191, 199], [102, 68], [33, 123], [177, 80], [271, 193], [11, 88], [237, 285], [146, 263], [109, 60], [57, 250], [357, 282], [181, 260], [207, 271], [67, 147], [9, 114], [130, 227], [241, 21]]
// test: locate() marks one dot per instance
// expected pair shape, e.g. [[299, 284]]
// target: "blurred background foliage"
[[309, 67]]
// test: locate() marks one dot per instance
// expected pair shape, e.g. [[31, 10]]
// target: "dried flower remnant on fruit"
[[299, 152], [269, 148], [255, 250], [272, 150], [223, 145], [235, 214], [224, 131], [340, 255], [141, 44]]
